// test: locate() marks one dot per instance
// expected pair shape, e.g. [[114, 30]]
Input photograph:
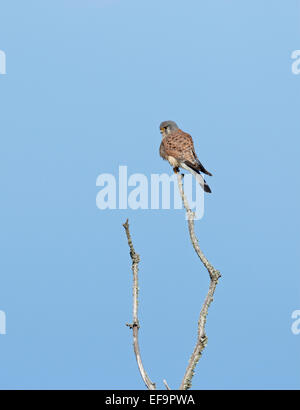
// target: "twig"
[[135, 323], [166, 384], [214, 276]]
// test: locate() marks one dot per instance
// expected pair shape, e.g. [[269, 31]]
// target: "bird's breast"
[[173, 161]]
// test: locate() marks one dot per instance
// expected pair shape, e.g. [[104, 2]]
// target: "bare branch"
[[135, 323], [214, 277], [166, 384]]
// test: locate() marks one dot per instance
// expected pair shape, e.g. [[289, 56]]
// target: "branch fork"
[[214, 275]]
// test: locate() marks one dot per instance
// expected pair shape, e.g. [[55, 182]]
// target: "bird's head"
[[166, 127]]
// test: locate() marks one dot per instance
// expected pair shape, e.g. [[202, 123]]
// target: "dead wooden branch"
[[214, 277], [135, 323]]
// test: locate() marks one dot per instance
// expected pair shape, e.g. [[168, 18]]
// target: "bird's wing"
[[198, 177], [180, 145], [177, 144], [197, 166]]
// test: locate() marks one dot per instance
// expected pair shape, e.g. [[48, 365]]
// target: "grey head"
[[166, 127]]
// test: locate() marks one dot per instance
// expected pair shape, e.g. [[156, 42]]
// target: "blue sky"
[[87, 84]]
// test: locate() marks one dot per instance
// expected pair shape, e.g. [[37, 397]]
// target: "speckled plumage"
[[177, 147]]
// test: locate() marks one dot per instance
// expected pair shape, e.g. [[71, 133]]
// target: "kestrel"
[[177, 147]]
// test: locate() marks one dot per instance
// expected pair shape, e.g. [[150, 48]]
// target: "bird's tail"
[[198, 177]]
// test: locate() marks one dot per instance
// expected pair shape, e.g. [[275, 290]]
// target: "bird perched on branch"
[[177, 147]]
